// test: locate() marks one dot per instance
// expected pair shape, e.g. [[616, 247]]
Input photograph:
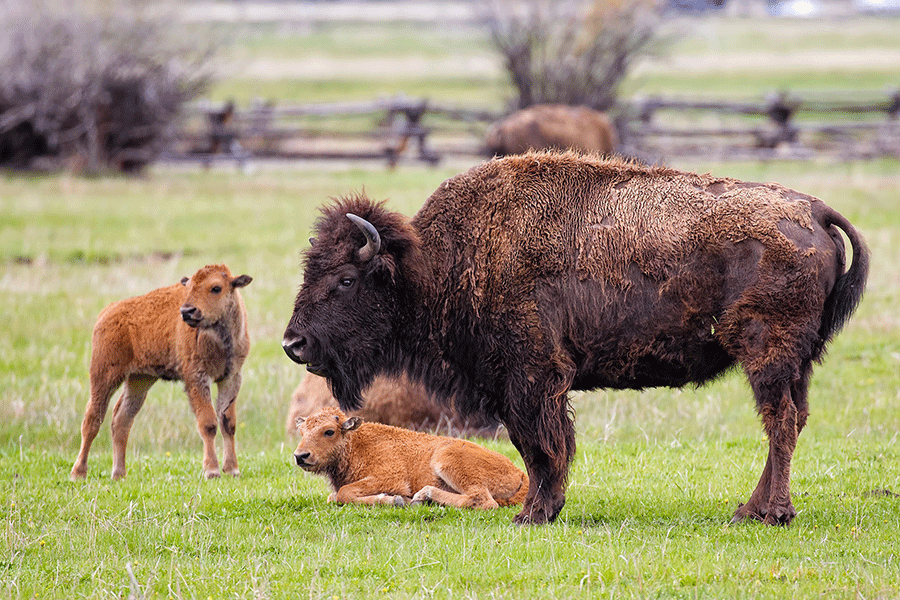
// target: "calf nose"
[[301, 457], [190, 313], [297, 348]]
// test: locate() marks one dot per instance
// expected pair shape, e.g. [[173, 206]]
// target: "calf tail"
[[848, 289]]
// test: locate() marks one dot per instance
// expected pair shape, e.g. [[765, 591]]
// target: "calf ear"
[[184, 280], [299, 421], [351, 424], [241, 281]]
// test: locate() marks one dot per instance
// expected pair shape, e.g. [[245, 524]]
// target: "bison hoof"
[[780, 515]]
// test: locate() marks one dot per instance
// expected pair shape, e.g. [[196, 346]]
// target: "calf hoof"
[[422, 496], [77, 474], [234, 472], [212, 474], [118, 474], [399, 502]]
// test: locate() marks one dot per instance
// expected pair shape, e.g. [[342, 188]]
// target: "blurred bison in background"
[[552, 127], [391, 401], [533, 275]]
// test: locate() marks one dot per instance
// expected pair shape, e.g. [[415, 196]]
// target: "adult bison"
[[552, 127], [531, 275]]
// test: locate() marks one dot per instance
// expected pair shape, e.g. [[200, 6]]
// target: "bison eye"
[[216, 289], [329, 432], [346, 282]]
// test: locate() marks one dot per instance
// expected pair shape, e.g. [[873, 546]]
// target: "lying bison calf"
[[194, 331], [371, 463]]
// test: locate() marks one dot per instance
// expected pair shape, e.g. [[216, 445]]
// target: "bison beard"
[[529, 276]]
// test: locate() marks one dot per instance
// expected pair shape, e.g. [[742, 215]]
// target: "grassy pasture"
[[657, 474]]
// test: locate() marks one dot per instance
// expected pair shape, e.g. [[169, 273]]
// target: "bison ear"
[[184, 280], [351, 424], [241, 281], [312, 241]]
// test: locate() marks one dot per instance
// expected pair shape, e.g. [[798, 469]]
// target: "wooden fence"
[[841, 125]]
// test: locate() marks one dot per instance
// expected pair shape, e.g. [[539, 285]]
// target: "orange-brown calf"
[[371, 463], [194, 331]]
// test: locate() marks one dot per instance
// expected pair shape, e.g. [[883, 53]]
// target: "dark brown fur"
[[529, 276], [552, 127]]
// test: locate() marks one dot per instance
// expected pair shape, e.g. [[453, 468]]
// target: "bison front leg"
[[199, 395], [226, 408], [546, 441], [366, 491]]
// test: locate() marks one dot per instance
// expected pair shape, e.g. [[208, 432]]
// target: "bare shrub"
[[92, 87], [573, 52]]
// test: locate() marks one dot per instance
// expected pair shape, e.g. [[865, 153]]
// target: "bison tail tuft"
[[848, 289]]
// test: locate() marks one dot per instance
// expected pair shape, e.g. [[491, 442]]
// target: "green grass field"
[[655, 481]]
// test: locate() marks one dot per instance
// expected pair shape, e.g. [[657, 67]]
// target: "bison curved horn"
[[373, 240]]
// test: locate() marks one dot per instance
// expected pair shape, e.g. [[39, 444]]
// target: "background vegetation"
[[657, 474]]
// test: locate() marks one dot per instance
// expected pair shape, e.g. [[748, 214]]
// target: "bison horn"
[[373, 240]]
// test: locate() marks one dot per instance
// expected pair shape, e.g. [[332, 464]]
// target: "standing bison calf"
[[371, 463], [533, 275], [194, 331]]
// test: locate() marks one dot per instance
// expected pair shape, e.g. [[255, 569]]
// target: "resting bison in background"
[[532, 275], [552, 127], [391, 401]]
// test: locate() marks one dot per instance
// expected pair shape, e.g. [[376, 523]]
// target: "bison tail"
[[848, 289]]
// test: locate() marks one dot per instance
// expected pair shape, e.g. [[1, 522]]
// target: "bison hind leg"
[[475, 497]]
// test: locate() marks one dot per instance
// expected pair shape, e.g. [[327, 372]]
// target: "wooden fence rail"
[[654, 128]]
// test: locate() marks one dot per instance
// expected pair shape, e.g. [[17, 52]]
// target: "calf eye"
[[216, 289], [329, 432]]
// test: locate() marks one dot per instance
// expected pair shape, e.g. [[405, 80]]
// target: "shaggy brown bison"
[[391, 401], [371, 463], [552, 127], [532, 275], [194, 331]]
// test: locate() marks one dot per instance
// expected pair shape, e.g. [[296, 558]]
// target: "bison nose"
[[301, 457], [191, 314], [297, 348]]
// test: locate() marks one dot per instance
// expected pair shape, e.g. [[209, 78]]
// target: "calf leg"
[[127, 407], [367, 490], [103, 384], [475, 478], [198, 392], [226, 408], [478, 496]]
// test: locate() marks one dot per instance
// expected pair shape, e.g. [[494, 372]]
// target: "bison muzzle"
[[530, 276]]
